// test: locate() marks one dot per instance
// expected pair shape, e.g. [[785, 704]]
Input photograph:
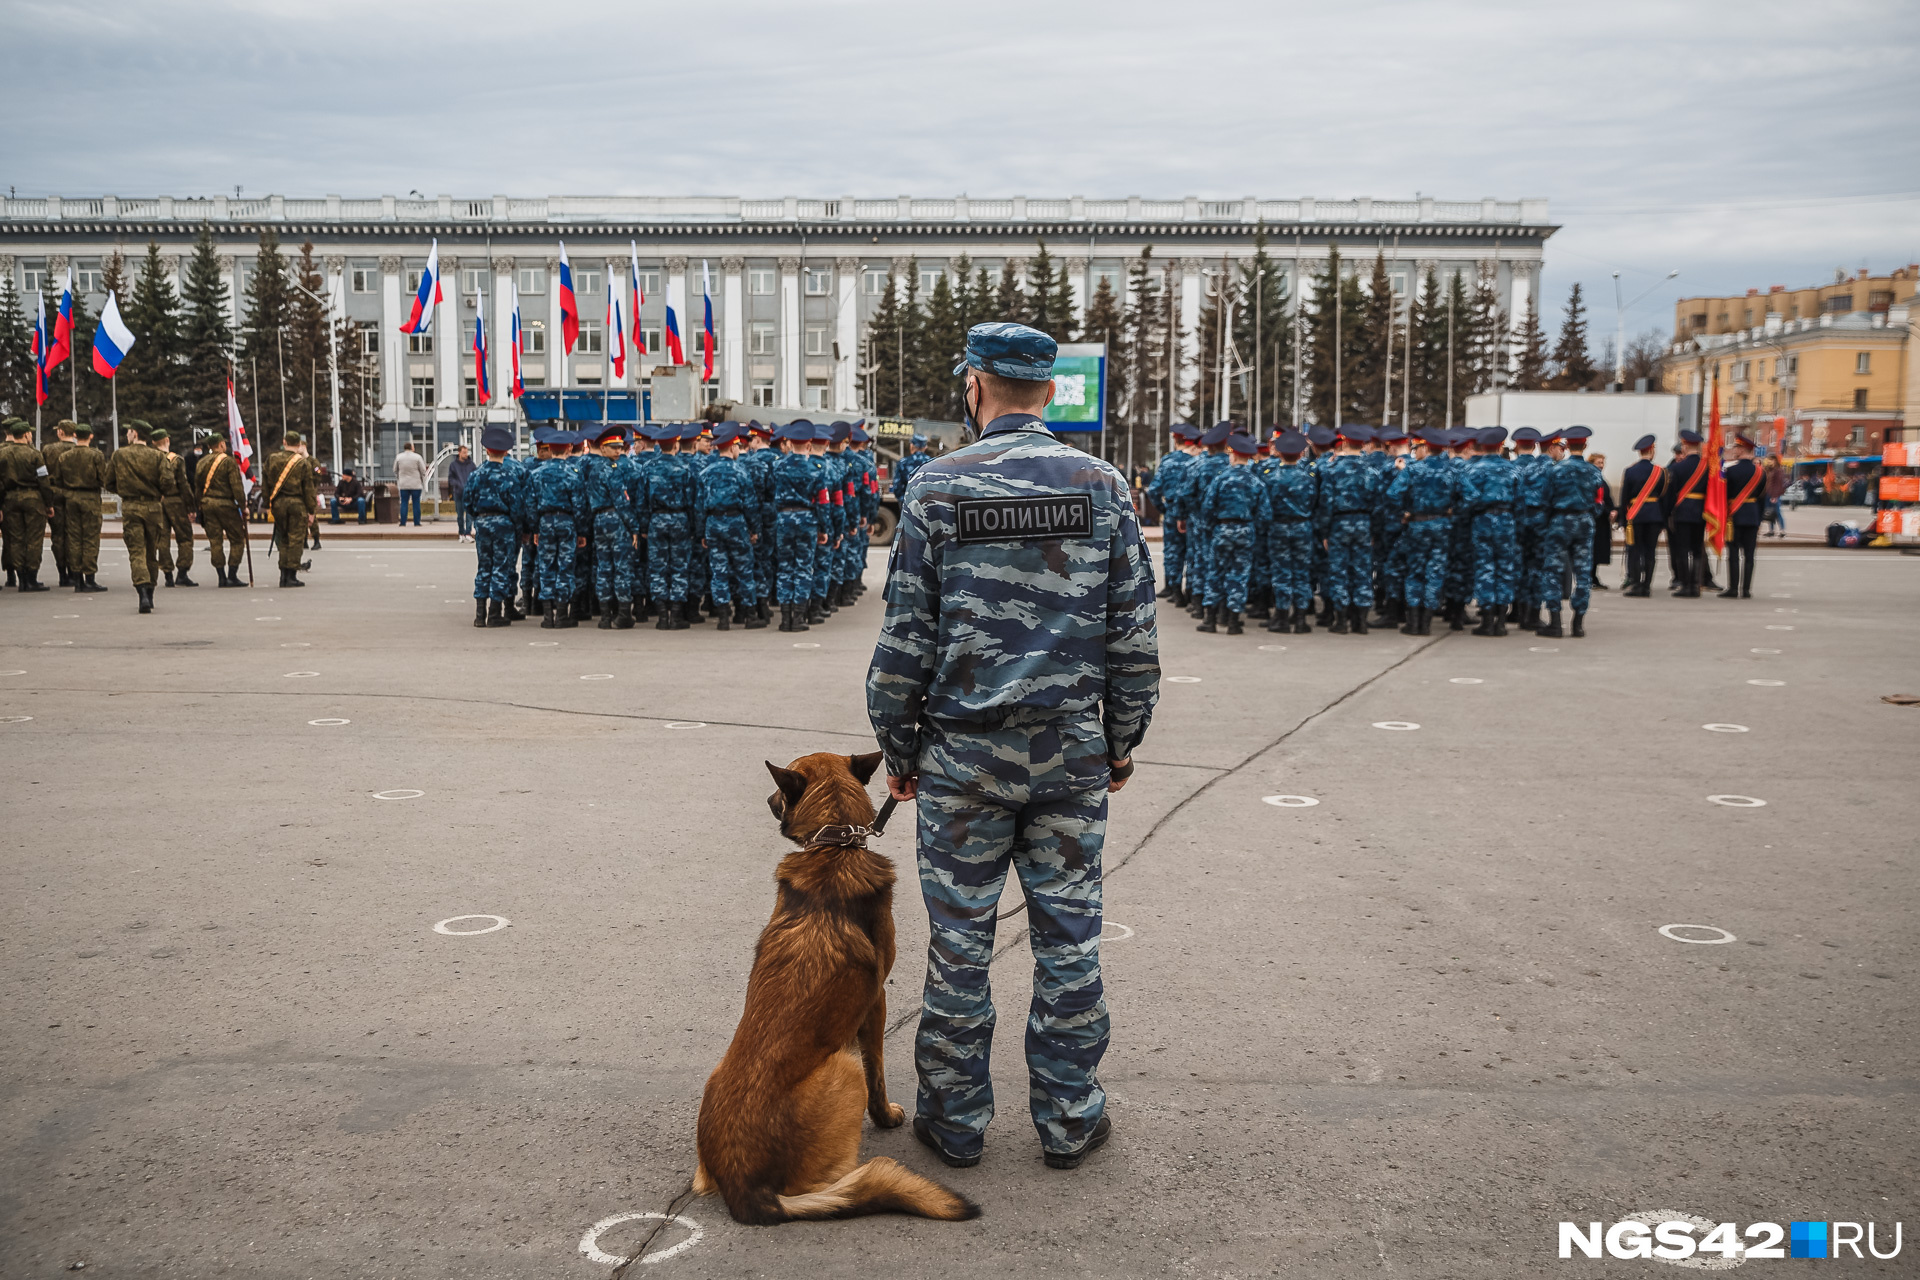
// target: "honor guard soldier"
[[220, 493], [1529, 522], [608, 477], [28, 503], [1686, 503], [496, 500], [670, 498], [136, 472], [799, 524], [1236, 508], [50, 454], [1487, 491], [1166, 489], [1208, 466], [1292, 490], [294, 499], [1642, 516], [83, 470], [1744, 503], [1015, 674], [176, 512], [759, 459]]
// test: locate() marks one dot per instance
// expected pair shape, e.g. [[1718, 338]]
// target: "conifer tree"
[[941, 341], [1046, 309], [1105, 324], [1530, 372], [1455, 333], [1426, 396], [1263, 329], [206, 338], [1010, 301], [146, 377], [309, 394], [263, 347], [1373, 335], [1573, 366], [1491, 337], [887, 351], [1137, 367], [16, 354], [1218, 348]]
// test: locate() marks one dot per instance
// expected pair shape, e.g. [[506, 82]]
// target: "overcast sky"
[[1747, 144]]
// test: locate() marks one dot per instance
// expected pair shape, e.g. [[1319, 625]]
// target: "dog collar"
[[850, 836]]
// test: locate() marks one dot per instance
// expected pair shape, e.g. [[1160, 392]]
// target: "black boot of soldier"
[[1411, 627], [512, 610], [1579, 622], [180, 579], [1303, 621], [723, 619], [765, 611], [666, 615], [146, 597], [497, 614], [800, 622], [750, 618], [786, 617], [85, 583], [1500, 620], [1210, 620], [1280, 620], [1486, 621], [1167, 592], [30, 581], [1337, 624], [287, 579], [1530, 618], [1234, 628], [1552, 630], [65, 577], [623, 616], [479, 613], [168, 573], [1359, 625], [608, 611], [816, 611], [680, 611]]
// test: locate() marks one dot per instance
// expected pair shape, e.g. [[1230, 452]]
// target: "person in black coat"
[[1686, 487], [1746, 498], [1603, 510], [1642, 516]]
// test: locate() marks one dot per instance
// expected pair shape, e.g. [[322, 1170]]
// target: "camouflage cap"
[[82, 429]]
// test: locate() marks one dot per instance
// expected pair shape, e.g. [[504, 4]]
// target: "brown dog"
[[779, 1130]]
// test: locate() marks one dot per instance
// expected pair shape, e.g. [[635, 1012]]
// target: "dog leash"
[[849, 836]]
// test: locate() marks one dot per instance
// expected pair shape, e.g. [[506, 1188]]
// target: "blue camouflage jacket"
[[990, 612], [1168, 488], [556, 490], [1292, 490], [797, 482], [1430, 486], [1489, 481], [605, 481], [1236, 494], [903, 470], [1206, 468], [670, 484], [498, 488], [1347, 485], [1572, 484], [725, 489], [1530, 472]]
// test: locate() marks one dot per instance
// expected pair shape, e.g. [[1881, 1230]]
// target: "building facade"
[[1826, 371], [792, 281]]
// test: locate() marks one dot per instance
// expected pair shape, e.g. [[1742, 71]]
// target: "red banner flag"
[[1715, 509]]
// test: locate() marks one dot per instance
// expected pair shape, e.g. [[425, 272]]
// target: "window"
[[1746, 317], [470, 394], [1793, 311], [533, 280], [422, 393], [760, 338], [929, 277], [86, 276], [1863, 362], [1860, 397], [818, 280], [993, 276], [873, 281], [1857, 438], [420, 344], [1793, 364], [816, 340], [1699, 319], [466, 337], [473, 279], [369, 338], [760, 280], [592, 340], [1879, 299], [413, 278], [533, 337], [586, 281], [761, 395], [710, 391], [816, 393], [699, 342], [650, 335], [365, 279], [649, 281], [1110, 277], [1840, 302]]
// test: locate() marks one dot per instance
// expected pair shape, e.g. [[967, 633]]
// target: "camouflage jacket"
[[1018, 583]]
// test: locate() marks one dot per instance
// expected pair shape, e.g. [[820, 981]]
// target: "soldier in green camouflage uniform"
[[176, 511], [28, 502], [293, 498], [138, 473], [1015, 673], [57, 523], [221, 496], [82, 470]]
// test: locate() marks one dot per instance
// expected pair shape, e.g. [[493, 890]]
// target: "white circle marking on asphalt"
[[1698, 1261], [1763, 651], [543, 644], [807, 644], [1126, 931], [1778, 626], [1465, 680], [1273, 648], [297, 644], [1289, 802], [453, 602], [499, 923], [403, 794], [12, 673], [330, 721], [1400, 725], [598, 677], [56, 642], [1781, 595], [1183, 679], [14, 719], [1542, 648], [590, 1242], [393, 575], [272, 617], [377, 566], [1739, 802], [686, 724], [1771, 684], [1667, 931], [1725, 728], [426, 586], [299, 675], [66, 615]]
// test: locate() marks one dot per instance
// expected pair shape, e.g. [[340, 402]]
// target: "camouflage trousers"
[[1530, 532], [289, 530], [1232, 558], [1423, 549], [1459, 580], [1173, 552], [1566, 549], [1031, 796], [225, 523], [496, 542], [1496, 558], [825, 558], [179, 529], [730, 560], [763, 552], [669, 554], [1388, 570], [526, 565], [557, 536], [142, 531], [853, 553], [26, 520], [57, 531], [81, 536], [798, 538], [1290, 561], [1199, 537], [613, 557], [1350, 560]]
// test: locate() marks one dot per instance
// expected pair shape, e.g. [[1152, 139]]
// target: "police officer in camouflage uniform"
[[1530, 472], [607, 478], [1346, 504], [759, 460], [670, 499], [495, 497], [1236, 508], [556, 507], [138, 473], [220, 493], [1423, 497], [1015, 674], [1487, 491], [82, 470], [1292, 492], [1168, 490], [903, 471]]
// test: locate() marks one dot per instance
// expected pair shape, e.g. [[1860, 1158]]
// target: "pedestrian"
[[1424, 494], [410, 475], [1236, 508], [50, 454], [458, 472], [82, 472], [1744, 478], [176, 512], [28, 503], [1011, 747], [294, 499], [1685, 503], [1487, 490], [221, 493], [1775, 488], [1642, 516], [349, 494], [1603, 513], [138, 474], [1292, 493]]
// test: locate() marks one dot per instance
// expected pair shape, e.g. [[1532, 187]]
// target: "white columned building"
[[846, 335], [788, 395], [733, 346], [393, 343], [449, 382]]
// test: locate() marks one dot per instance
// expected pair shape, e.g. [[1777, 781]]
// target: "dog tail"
[[882, 1185]]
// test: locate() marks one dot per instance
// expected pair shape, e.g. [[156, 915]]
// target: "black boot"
[[608, 611], [623, 618], [1500, 620], [1456, 615], [681, 612], [479, 613], [1302, 621], [1411, 627], [1234, 628], [30, 580], [169, 576], [786, 617], [1552, 630], [1729, 594], [180, 579], [1530, 618], [816, 611], [1180, 597], [1486, 621], [800, 622], [497, 614], [765, 611], [287, 579], [723, 619], [86, 583], [750, 618], [1278, 621], [1359, 623], [666, 616], [1167, 592], [1426, 622], [1337, 624], [1579, 622], [227, 578], [145, 591], [512, 611], [66, 579], [1208, 623], [528, 605], [549, 620]]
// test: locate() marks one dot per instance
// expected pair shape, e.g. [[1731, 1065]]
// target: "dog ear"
[[864, 766], [791, 784]]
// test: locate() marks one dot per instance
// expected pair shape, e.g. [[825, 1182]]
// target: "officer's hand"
[[754, 538], [579, 542], [703, 544], [1114, 784], [823, 539], [1180, 526], [536, 539], [903, 788]]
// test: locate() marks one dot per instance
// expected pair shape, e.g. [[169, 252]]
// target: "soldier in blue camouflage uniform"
[[1530, 472], [496, 497], [1346, 503], [1208, 466], [1236, 508], [1425, 494], [1388, 573], [670, 496], [725, 504], [759, 459], [903, 470], [1166, 489], [798, 520], [1015, 674], [1568, 546], [557, 503], [1322, 439], [1487, 490], [1260, 579], [608, 478], [1459, 582], [826, 568], [1292, 493], [863, 504], [696, 450]]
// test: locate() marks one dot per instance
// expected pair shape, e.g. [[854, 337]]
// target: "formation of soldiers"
[[1258, 530], [718, 521]]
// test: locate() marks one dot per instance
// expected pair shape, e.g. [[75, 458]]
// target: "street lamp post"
[[1620, 325], [333, 368]]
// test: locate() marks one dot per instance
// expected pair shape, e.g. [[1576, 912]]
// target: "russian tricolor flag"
[[617, 327], [111, 340], [639, 300], [706, 303], [62, 327], [676, 354], [237, 440], [428, 297], [513, 338], [40, 348], [569, 307], [482, 388]]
